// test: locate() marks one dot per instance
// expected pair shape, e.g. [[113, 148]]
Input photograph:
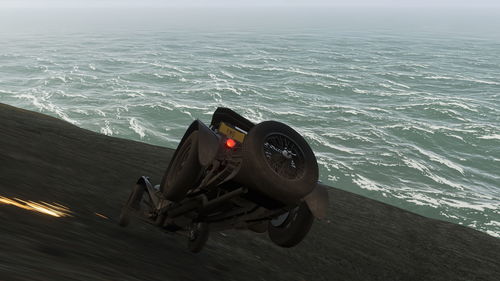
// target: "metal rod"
[[184, 208], [217, 201], [202, 203]]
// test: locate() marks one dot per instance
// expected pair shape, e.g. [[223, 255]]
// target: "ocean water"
[[408, 114]]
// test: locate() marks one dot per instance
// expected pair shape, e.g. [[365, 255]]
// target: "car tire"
[[278, 162], [198, 236], [133, 202], [184, 170], [291, 230]]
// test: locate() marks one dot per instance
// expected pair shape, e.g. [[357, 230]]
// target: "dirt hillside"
[[46, 159]]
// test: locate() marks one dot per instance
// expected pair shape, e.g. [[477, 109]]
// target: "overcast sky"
[[246, 3]]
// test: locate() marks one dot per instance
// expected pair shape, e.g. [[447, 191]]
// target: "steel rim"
[[284, 156]]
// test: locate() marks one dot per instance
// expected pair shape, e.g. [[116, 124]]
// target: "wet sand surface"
[[47, 159]]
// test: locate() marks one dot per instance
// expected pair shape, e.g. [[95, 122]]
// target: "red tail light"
[[230, 143]]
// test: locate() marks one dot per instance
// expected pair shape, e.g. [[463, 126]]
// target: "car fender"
[[146, 182], [208, 144], [317, 201]]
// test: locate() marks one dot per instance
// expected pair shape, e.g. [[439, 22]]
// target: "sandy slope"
[[43, 158]]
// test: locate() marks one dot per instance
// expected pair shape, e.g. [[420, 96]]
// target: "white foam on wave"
[[422, 200], [493, 223], [42, 103], [397, 84], [333, 178], [326, 162], [441, 203], [462, 78], [444, 128], [359, 91], [188, 114], [81, 111], [178, 105], [415, 165], [455, 136], [378, 109], [439, 77], [289, 112], [311, 73], [136, 127], [445, 181], [167, 66], [455, 104], [227, 74], [160, 105], [493, 233], [217, 79], [315, 137], [468, 205], [100, 112], [73, 95], [106, 130], [366, 183], [61, 78], [480, 81], [233, 90], [408, 128], [387, 86], [490, 137], [438, 158], [253, 115]]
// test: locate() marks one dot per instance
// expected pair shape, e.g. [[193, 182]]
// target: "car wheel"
[[133, 202], [292, 227], [184, 170], [198, 236], [278, 162]]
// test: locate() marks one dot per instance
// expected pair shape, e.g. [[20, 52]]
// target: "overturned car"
[[234, 174]]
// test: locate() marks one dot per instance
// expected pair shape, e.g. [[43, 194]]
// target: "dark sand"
[[43, 158]]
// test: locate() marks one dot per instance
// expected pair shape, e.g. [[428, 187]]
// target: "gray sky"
[[247, 3]]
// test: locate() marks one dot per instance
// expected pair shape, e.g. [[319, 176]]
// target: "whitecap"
[[437, 158], [106, 130], [493, 233], [480, 81], [415, 165], [359, 91], [42, 104], [444, 181], [100, 112], [81, 111], [227, 74], [423, 200], [188, 113], [321, 140], [463, 204], [333, 178], [398, 84], [493, 223], [490, 137], [367, 184], [134, 125], [73, 95], [378, 109], [313, 74], [289, 113]]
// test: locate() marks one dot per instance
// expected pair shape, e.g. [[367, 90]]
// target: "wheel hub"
[[284, 156]]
